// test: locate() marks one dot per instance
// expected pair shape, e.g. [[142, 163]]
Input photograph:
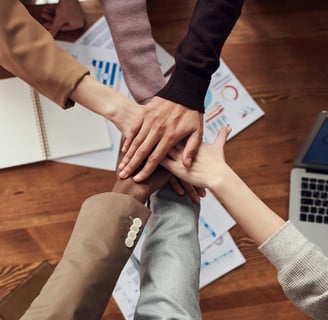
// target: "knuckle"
[[171, 136], [160, 128], [142, 151], [133, 131], [154, 158], [136, 142]]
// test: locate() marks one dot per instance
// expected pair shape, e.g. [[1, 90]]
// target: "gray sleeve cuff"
[[283, 246]]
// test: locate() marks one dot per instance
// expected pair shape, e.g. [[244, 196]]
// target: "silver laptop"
[[308, 203]]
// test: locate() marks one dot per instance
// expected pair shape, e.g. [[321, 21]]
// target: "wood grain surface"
[[278, 50]]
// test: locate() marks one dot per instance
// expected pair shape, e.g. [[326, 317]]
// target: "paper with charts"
[[227, 102]]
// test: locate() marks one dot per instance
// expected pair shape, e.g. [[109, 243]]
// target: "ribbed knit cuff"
[[283, 246], [186, 89]]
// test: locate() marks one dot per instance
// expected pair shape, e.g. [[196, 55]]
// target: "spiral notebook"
[[33, 128]]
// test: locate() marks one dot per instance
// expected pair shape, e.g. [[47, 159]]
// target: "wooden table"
[[279, 52]]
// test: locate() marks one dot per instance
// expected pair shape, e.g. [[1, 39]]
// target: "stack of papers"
[[227, 103]]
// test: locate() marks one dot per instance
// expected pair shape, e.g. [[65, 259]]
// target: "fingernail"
[[137, 177], [122, 174]]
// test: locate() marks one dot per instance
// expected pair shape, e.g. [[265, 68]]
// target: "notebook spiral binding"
[[41, 125]]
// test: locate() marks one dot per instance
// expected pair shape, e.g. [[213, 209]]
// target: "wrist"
[[95, 97], [139, 192], [222, 180]]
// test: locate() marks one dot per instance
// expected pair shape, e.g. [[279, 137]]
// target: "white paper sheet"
[[219, 258]]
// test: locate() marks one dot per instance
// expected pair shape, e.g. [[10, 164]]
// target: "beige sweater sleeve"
[[302, 270], [29, 52], [135, 46]]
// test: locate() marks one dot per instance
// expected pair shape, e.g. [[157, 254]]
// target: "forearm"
[[96, 253], [256, 218], [99, 98], [29, 52], [135, 47], [197, 56]]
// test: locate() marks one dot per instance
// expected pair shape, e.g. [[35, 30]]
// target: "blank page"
[[20, 140], [73, 131]]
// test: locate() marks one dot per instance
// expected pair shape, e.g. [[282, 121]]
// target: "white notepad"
[[33, 128]]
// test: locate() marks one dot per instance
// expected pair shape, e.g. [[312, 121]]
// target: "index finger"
[[130, 163], [159, 153]]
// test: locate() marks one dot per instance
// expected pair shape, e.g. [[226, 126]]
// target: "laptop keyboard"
[[314, 200]]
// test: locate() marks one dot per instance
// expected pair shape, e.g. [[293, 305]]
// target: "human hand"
[[157, 179], [127, 118], [181, 187], [207, 165], [125, 114], [165, 124], [67, 15], [142, 191]]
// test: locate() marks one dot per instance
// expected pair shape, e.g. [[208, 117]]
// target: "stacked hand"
[[208, 165], [165, 124], [67, 15]]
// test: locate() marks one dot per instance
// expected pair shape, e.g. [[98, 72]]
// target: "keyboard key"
[[322, 210], [311, 217], [306, 193], [325, 220], [317, 202], [313, 210], [303, 217], [304, 209], [318, 219], [307, 201]]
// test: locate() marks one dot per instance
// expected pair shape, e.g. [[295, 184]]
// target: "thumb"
[[222, 137]]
